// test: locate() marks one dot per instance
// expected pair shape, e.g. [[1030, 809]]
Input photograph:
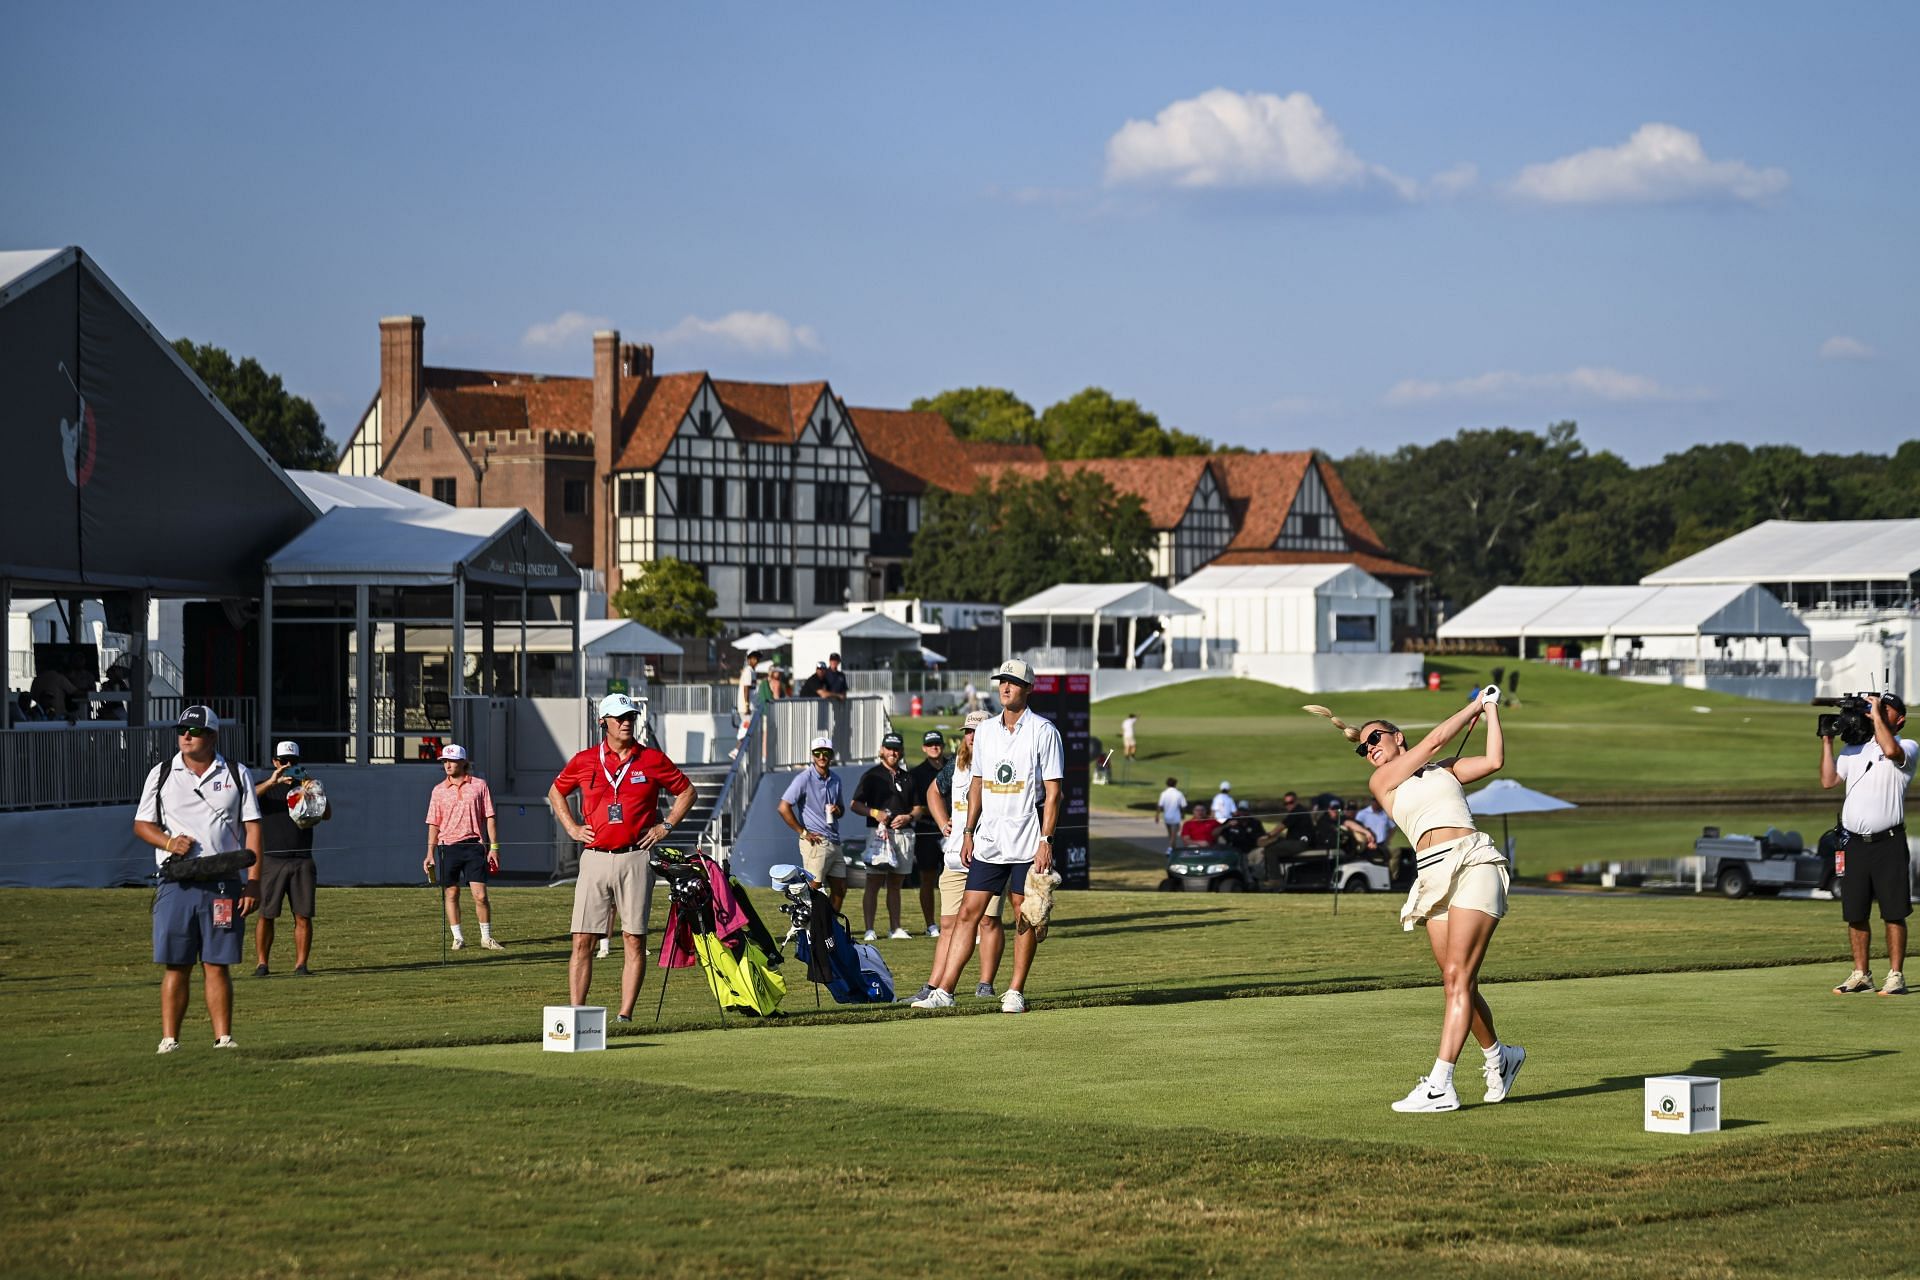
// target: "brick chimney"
[[402, 386], [605, 425]]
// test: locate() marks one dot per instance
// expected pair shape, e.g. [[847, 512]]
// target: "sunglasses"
[[823, 752], [193, 731], [1369, 742]]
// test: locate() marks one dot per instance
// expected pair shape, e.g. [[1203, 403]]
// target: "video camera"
[[1851, 721]]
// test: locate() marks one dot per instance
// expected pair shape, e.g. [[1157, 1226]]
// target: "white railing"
[[780, 737], [58, 766], [1744, 668], [694, 699]]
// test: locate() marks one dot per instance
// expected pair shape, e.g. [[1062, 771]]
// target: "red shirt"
[[594, 773]]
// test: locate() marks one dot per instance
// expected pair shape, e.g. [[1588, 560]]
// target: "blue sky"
[[1327, 226]]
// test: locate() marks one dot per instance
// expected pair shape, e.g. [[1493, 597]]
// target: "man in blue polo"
[[812, 805], [1013, 806], [196, 805]]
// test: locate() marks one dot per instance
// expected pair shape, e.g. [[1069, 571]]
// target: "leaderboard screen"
[[1066, 699]]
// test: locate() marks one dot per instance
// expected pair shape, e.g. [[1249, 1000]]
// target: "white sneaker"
[[225, 1042], [1013, 1002], [1427, 1098], [933, 931], [898, 934], [1858, 980], [168, 1044], [936, 999], [1896, 984], [459, 944], [869, 936], [493, 944], [926, 989], [1500, 1074], [983, 991]]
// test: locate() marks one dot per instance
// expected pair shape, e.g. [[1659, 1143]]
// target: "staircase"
[[707, 780]]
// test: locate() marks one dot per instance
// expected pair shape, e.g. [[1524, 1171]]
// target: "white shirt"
[[1126, 728], [209, 810], [749, 677], [1876, 791], [1173, 805], [957, 812], [1013, 765], [1223, 807]]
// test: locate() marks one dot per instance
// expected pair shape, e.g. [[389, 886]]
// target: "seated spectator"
[[1243, 831], [1376, 820], [1199, 830]]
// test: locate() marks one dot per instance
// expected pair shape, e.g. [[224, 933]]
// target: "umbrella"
[[765, 641], [929, 657], [1505, 797]]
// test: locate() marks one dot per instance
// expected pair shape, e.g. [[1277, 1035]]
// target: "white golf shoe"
[[1500, 1075], [1425, 1097]]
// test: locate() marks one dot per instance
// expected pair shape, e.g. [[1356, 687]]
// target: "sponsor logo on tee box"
[[1668, 1110], [1682, 1104], [560, 1032], [566, 1028]]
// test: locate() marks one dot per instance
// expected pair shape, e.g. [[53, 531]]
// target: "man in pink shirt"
[[455, 813]]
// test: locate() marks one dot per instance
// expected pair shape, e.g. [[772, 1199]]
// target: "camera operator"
[[1873, 850]]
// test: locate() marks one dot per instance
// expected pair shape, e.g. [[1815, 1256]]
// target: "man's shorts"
[[890, 852], [824, 859], [288, 880], [929, 852], [463, 864], [1008, 878], [183, 927], [610, 882], [953, 887], [1877, 873]]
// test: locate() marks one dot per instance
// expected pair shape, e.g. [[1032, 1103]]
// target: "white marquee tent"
[[1094, 603], [1604, 613], [1318, 627], [863, 640]]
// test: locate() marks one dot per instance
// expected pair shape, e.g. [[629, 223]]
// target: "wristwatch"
[[1047, 838]]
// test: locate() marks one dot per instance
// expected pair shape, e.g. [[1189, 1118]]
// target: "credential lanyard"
[[614, 780]]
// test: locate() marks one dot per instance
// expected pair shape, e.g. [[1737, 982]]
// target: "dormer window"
[[825, 429], [703, 422]]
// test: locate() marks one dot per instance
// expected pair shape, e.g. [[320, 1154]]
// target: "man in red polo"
[[620, 783]]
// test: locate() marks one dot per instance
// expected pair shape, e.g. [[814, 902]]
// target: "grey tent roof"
[[1803, 551], [859, 626], [1108, 599], [500, 546], [1726, 609], [329, 489]]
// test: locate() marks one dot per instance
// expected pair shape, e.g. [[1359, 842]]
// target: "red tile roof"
[[1164, 485], [1260, 489], [982, 452], [913, 451], [655, 408]]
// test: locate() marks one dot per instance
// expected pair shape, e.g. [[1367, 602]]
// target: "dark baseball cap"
[[932, 738], [893, 740], [198, 717], [833, 657]]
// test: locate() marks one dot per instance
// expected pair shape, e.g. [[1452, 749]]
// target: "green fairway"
[[1202, 1086]]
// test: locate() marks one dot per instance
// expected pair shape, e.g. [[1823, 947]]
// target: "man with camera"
[[286, 865], [1877, 765]]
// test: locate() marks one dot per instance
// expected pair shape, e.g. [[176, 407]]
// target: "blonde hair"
[[1351, 733]]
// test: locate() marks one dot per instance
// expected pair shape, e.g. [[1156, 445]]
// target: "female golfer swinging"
[[1460, 892]]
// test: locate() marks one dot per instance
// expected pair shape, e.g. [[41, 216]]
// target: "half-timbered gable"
[[834, 502]]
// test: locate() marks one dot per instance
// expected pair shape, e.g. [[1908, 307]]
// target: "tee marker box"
[[573, 1028], [1682, 1104]]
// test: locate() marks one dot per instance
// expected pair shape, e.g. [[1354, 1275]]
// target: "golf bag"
[[852, 972], [706, 925]]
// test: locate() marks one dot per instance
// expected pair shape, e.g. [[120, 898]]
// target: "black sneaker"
[[259, 971], [301, 971]]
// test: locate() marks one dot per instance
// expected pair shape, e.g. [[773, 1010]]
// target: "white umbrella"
[[1504, 796], [929, 657], [765, 641]]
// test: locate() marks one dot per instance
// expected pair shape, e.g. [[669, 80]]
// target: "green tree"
[[1094, 424], [287, 426], [671, 597], [1006, 540], [984, 413]]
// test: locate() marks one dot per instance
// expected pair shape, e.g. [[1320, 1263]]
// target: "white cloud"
[[564, 330], [1658, 164], [1228, 140], [760, 333], [1586, 382], [1841, 347]]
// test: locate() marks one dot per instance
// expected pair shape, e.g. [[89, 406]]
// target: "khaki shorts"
[[953, 889], [1480, 887], [824, 859], [610, 882], [895, 847]]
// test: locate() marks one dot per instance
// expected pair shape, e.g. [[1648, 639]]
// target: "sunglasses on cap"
[[193, 731], [1367, 743]]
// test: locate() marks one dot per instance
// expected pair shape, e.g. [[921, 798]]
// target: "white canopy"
[[865, 640], [624, 635], [399, 545], [1281, 579], [1726, 609], [1504, 796], [328, 489], [1804, 551], [1107, 599], [764, 641]]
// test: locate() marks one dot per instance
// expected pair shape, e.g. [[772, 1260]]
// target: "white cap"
[[617, 705], [1225, 785], [286, 749], [975, 719], [822, 743], [1016, 670], [453, 751]]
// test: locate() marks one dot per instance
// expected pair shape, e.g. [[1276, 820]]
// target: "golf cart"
[[1315, 870], [1215, 868], [1740, 865]]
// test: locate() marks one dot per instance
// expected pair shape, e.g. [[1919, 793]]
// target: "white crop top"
[[1430, 799]]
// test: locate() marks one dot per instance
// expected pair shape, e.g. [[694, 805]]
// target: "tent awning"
[[1803, 551], [1726, 609], [391, 546], [1107, 599]]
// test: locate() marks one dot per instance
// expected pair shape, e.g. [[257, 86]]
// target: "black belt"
[[628, 849], [1898, 829]]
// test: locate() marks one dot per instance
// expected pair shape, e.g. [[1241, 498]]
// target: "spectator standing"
[[287, 874], [620, 783], [779, 683], [1172, 804], [928, 854], [56, 692], [815, 685], [749, 684], [1128, 744], [884, 797], [812, 805], [1017, 759], [972, 696], [835, 679], [460, 808], [946, 800], [193, 806], [1873, 848], [1223, 804]]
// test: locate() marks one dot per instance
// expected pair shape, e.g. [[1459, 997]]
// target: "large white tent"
[[1318, 627], [1092, 604], [863, 640]]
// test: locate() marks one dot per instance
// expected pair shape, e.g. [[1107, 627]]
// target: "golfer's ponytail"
[[1352, 734]]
